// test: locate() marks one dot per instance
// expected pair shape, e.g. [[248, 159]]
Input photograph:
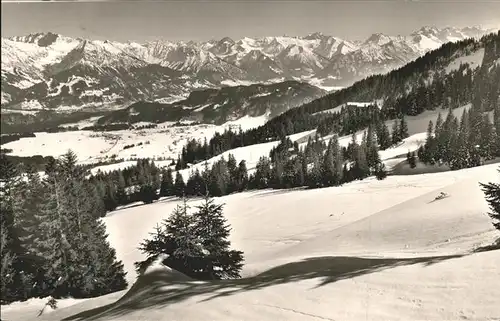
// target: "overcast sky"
[[203, 20]]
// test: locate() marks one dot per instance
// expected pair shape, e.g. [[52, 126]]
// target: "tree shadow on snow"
[[491, 247], [159, 288], [268, 192]]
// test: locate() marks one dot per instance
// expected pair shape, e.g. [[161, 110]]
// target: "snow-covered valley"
[[165, 142]]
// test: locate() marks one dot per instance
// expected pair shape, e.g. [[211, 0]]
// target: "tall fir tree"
[[329, 173], [383, 135], [18, 284], [242, 176], [211, 228], [79, 261], [396, 132], [403, 128], [492, 194], [176, 238], [7, 265], [121, 190], [179, 185], [195, 244], [372, 150], [167, 183]]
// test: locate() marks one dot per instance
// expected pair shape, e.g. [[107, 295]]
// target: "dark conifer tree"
[[167, 183], [11, 270], [7, 260], [219, 178], [492, 193], [439, 124], [410, 157], [329, 173], [110, 197], [242, 176], [121, 193], [403, 128], [427, 152], [147, 194], [79, 261], [196, 244], [372, 155], [361, 168], [396, 132], [28, 200], [380, 171], [262, 173], [177, 239], [211, 228], [383, 135], [232, 168], [179, 185]]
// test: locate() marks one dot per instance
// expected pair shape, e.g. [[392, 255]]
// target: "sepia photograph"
[[291, 160]]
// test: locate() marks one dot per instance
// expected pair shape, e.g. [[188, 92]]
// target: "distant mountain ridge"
[[51, 71], [221, 105]]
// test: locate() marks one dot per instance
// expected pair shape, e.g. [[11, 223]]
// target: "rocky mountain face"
[[51, 71]]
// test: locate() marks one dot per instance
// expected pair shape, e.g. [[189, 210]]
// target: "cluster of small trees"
[[128, 185], [195, 152], [52, 241], [465, 143], [195, 244]]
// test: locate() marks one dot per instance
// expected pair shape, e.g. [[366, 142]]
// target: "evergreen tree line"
[[128, 185], [319, 164], [465, 143], [52, 241], [420, 85]]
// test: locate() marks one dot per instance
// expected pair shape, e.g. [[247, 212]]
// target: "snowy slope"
[[474, 60], [383, 249]]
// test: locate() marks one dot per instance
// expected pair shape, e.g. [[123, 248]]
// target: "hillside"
[[382, 248], [449, 77], [221, 105]]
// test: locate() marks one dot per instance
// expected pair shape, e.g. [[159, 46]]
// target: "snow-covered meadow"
[[163, 142]]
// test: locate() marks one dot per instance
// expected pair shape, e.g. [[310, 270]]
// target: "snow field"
[[474, 60], [165, 141], [369, 250]]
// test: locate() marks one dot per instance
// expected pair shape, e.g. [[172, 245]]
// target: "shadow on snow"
[[160, 288]]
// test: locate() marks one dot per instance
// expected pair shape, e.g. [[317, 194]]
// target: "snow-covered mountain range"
[[53, 71]]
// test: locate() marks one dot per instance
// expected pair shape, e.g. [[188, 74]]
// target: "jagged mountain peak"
[[314, 36], [226, 40], [42, 39], [378, 39]]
